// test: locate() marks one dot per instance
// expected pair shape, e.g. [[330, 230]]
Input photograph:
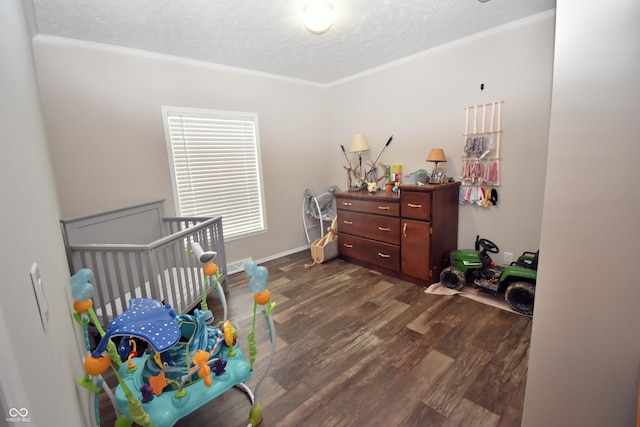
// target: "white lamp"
[[358, 145], [318, 16]]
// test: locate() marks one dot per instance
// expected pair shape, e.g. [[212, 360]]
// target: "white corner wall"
[[585, 347], [38, 369]]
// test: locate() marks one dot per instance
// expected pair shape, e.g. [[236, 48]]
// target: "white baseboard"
[[238, 266]]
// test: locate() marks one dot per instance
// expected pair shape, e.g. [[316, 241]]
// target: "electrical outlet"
[[507, 257]]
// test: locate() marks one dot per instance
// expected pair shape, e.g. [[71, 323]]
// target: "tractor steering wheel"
[[488, 246]]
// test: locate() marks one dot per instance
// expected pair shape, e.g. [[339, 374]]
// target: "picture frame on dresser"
[[437, 176]]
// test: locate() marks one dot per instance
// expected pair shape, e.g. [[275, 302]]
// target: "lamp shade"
[[358, 143], [318, 16], [436, 155]]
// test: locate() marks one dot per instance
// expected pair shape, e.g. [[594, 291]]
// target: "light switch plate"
[[43, 306]]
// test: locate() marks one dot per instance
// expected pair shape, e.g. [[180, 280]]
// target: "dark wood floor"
[[356, 348]]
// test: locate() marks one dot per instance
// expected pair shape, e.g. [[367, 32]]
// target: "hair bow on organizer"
[[476, 144], [484, 197], [491, 198], [480, 196], [490, 175], [473, 172]]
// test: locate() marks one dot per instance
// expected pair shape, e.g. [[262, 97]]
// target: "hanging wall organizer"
[[480, 173]]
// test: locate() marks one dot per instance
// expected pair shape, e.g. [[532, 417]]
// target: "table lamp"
[[358, 145], [437, 174]]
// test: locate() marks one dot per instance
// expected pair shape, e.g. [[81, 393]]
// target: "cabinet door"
[[415, 243]]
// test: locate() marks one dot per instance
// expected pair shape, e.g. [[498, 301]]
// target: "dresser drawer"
[[416, 205], [380, 254], [376, 227], [376, 207]]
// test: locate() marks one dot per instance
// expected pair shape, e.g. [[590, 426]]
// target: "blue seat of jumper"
[[174, 341]]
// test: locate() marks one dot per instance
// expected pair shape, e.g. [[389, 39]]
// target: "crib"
[[137, 252]]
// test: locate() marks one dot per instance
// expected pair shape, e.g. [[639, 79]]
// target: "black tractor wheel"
[[520, 296], [452, 278]]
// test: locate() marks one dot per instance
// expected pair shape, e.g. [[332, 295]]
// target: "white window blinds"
[[215, 167]]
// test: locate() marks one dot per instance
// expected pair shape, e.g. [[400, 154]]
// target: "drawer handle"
[[347, 222], [404, 230], [383, 208], [383, 229], [381, 255], [411, 205], [347, 245], [346, 203]]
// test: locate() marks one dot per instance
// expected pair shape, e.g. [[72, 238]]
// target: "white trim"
[[48, 39], [285, 253], [64, 41], [235, 264]]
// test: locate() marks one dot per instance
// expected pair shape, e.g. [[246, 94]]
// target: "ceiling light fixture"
[[318, 16]]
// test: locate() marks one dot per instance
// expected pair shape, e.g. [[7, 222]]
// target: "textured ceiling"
[[268, 36]]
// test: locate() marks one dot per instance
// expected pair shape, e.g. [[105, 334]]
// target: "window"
[[215, 167]]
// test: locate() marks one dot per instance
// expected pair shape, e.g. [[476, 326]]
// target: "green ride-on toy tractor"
[[475, 267]]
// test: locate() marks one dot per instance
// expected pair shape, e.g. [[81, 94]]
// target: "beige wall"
[[104, 122], [38, 368], [102, 109], [421, 102], [585, 351]]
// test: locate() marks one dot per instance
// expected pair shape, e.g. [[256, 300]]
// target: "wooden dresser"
[[409, 235]]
